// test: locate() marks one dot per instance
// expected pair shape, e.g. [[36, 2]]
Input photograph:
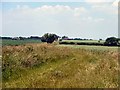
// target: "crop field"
[[85, 41], [5, 42], [59, 66], [98, 48]]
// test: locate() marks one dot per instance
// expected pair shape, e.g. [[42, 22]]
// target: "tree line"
[[50, 38], [110, 41]]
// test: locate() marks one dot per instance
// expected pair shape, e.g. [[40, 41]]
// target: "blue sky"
[[88, 19]]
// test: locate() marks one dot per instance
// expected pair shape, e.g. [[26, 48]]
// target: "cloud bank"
[[95, 22]]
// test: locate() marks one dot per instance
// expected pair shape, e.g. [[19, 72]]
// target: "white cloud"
[[98, 1], [106, 8], [42, 0], [93, 20], [79, 11], [115, 3], [53, 9], [60, 19], [99, 20], [49, 9], [43, 9]]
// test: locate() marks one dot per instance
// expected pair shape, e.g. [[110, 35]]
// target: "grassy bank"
[[52, 66]]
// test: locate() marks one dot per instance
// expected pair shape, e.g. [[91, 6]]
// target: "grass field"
[[57, 66], [99, 48], [6, 42], [85, 41], [21, 42]]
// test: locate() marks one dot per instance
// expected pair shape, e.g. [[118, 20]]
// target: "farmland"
[[59, 66], [6, 42], [59, 44], [90, 47], [87, 47], [85, 41]]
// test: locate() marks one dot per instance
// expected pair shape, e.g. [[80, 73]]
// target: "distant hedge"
[[81, 43], [110, 41]]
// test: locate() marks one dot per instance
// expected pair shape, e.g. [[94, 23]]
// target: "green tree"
[[111, 41], [64, 37], [49, 38]]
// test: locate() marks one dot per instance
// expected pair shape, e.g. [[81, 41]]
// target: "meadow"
[[45, 65]]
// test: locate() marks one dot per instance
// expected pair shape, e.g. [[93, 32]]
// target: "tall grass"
[[19, 58], [46, 65]]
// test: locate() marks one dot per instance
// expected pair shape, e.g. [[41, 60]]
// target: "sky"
[[83, 18]]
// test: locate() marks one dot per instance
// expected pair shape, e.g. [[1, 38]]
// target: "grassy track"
[[51, 66]]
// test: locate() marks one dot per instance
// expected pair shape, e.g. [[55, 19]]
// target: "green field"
[[88, 47], [5, 42], [91, 47], [18, 42], [85, 41]]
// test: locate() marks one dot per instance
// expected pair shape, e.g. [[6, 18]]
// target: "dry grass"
[[50, 66]]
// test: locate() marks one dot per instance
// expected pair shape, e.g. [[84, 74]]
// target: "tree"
[[49, 38], [111, 41], [64, 37], [21, 38]]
